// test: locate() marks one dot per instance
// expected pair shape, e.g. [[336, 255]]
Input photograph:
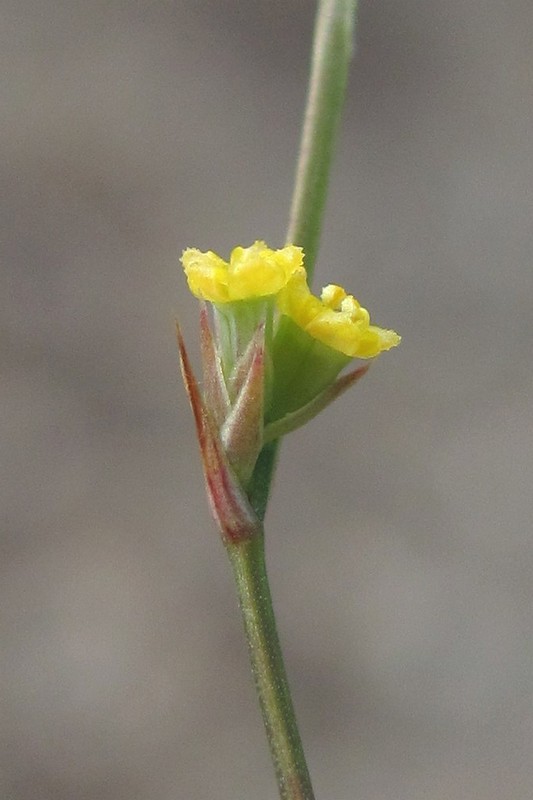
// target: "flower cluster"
[[276, 355]]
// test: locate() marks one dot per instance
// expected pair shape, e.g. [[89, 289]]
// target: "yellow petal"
[[336, 319], [252, 272], [207, 275]]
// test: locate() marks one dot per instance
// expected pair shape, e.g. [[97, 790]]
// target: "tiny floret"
[[336, 319], [251, 272]]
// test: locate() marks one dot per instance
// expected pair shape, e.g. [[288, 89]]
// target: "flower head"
[[336, 319], [251, 272], [277, 351]]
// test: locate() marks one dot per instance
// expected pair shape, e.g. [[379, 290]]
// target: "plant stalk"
[[249, 569], [332, 49]]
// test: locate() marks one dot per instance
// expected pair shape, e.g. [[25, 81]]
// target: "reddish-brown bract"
[[231, 509]]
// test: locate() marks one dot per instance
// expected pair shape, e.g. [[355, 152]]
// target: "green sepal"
[[236, 324], [303, 367]]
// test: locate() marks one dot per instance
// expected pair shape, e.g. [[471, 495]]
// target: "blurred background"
[[399, 533]]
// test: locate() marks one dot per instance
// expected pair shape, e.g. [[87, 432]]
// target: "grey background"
[[399, 535]]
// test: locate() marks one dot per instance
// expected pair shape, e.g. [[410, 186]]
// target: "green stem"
[[331, 54], [248, 561], [332, 49]]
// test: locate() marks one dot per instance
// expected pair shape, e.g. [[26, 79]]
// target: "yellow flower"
[[336, 319], [252, 272]]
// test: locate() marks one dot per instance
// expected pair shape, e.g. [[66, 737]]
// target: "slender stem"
[[248, 561], [331, 54], [332, 49]]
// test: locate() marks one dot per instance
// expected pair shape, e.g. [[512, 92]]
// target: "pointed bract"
[[242, 433], [242, 368], [230, 507], [298, 418], [215, 391]]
